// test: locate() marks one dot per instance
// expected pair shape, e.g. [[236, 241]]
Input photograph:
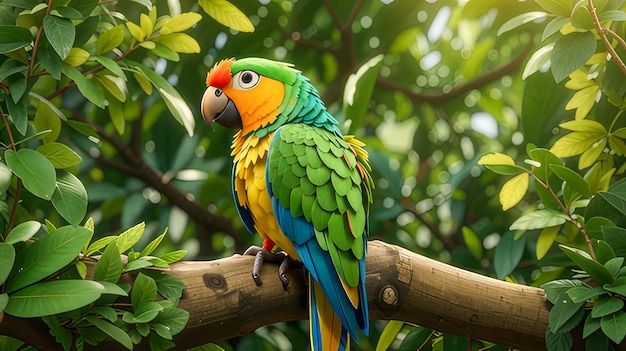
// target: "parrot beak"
[[218, 107]]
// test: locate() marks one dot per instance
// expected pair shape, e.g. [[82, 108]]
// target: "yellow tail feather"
[[330, 324]]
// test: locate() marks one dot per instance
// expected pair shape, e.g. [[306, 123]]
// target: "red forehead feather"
[[219, 75]]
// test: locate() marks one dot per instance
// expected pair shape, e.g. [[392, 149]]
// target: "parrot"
[[299, 183]]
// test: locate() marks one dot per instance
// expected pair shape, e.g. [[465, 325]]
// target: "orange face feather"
[[219, 76]]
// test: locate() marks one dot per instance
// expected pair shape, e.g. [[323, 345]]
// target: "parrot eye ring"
[[218, 92], [245, 80]]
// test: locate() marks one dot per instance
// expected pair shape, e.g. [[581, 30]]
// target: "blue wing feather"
[[244, 213]]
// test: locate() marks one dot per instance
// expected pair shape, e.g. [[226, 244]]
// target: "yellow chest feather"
[[250, 156]]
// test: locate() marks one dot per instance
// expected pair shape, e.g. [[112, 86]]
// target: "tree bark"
[[224, 302]]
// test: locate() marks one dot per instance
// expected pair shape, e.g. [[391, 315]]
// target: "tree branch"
[[224, 302], [440, 97]]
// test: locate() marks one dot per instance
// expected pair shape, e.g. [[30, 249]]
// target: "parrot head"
[[246, 94]]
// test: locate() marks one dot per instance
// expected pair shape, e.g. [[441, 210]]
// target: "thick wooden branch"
[[224, 302]]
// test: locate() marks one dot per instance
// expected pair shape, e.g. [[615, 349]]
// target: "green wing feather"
[[325, 178]]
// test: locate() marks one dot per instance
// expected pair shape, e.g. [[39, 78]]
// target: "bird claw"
[[261, 255]]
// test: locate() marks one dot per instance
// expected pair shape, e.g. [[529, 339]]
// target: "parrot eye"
[[246, 80], [218, 92]]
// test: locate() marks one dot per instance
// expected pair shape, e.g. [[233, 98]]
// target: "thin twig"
[[447, 242], [569, 215], [602, 32], [440, 97]]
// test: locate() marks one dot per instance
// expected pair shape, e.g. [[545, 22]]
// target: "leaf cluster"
[[583, 214], [47, 276]]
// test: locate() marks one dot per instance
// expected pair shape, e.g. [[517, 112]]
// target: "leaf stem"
[[569, 215], [602, 32]]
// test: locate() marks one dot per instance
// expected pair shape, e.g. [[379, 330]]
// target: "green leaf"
[[173, 256], [146, 312], [573, 179], [62, 335], [556, 289], [564, 309], [513, 191], [175, 103], [36, 172], [60, 155], [389, 335], [108, 313], [7, 257], [616, 201], [612, 15], [605, 306], [507, 255], [5, 178], [163, 331], [559, 341], [85, 7], [70, 197], [583, 293], [547, 159], [618, 286], [571, 52], [546, 239], [144, 290], [520, 20], [614, 326], [556, 7], [597, 271], [86, 86], [606, 256], [113, 289], [472, 242], [138, 264], [536, 61], [180, 23], [168, 286], [60, 32], [591, 325], [49, 111], [153, 244], [99, 244], [53, 297], [47, 255], [23, 232], [358, 91], [13, 38], [496, 159], [227, 14], [109, 266], [111, 330], [539, 219], [173, 318], [110, 39], [594, 226], [19, 114], [111, 65], [130, 237]]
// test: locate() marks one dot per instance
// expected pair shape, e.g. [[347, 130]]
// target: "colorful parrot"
[[300, 184]]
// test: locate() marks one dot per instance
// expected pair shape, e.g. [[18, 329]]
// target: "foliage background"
[[451, 87]]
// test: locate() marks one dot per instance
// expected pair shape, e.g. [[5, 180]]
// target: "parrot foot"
[[262, 255]]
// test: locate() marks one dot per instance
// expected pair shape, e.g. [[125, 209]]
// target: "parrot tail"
[[327, 331]]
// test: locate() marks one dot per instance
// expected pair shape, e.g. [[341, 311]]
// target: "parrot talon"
[[282, 270], [262, 255]]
